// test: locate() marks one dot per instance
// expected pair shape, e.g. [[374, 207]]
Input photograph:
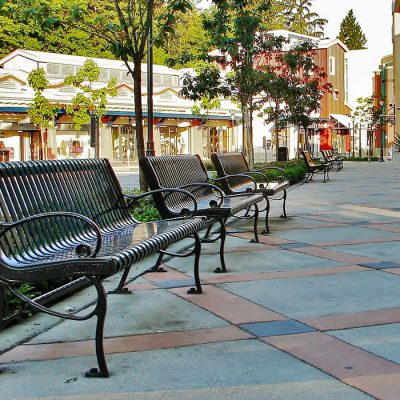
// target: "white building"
[[176, 129]]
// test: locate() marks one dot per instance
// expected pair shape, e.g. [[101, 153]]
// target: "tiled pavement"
[[311, 312]]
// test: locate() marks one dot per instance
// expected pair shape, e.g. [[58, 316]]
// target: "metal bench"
[[188, 172], [332, 159], [69, 218], [239, 178], [313, 168]]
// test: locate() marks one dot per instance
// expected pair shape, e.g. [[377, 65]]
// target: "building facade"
[[332, 127], [176, 129]]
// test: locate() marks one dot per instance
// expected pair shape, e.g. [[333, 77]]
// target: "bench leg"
[[120, 289], [284, 215], [256, 213], [197, 252], [156, 267], [100, 312], [267, 208], [222, 237]]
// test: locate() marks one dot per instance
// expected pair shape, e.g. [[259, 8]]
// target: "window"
[[54, 69], [332, 66], [336, 94]]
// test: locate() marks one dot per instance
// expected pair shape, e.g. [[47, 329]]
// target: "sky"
[[374, 17]]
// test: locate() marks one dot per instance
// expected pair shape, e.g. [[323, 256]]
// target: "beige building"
[[176, 129]]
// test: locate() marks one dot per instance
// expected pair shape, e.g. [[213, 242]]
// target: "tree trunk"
[[245, 130], [250, 147], [276, 139], [137, 86]]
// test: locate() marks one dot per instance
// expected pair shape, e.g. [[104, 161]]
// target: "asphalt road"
[[128, 180]]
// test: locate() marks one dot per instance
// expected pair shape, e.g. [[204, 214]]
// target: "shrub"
[[145, 209], [361, 158], [295, 170]]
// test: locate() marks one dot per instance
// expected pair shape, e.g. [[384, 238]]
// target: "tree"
[[296, 16], [293, 88], [351, 33], [123, 24], [365, 113], [188, 43], [27, 34], [236, 30], [43, 112]]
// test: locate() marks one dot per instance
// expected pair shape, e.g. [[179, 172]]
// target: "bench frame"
[[237, 161], [215, 211], [85, 264], [313, 168]]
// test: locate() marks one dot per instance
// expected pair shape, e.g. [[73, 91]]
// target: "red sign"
[[75, 150]]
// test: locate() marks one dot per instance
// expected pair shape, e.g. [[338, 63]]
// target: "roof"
[[66, 59]]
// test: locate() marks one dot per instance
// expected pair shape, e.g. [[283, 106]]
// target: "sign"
[[75, 150]]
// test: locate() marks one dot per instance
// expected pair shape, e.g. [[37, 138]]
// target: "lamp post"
[[150, 129], [381, 115]]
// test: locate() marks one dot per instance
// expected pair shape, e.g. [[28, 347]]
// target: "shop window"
[[215, 140], [332, 66], [174, 140], [124, 148]]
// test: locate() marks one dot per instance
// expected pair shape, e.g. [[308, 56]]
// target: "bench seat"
[[120, 249]]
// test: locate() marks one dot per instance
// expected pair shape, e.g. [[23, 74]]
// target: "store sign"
[[76, 150]]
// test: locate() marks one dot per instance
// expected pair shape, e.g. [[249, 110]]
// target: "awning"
[[343, 120]]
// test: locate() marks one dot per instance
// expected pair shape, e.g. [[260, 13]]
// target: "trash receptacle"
[[282, 153]]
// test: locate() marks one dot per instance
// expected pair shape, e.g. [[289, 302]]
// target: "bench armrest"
[[200, 185], [184, 212], [81, 249], [243, 175]]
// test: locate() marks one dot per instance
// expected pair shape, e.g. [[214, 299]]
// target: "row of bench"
[[64, 219], [70, 218], [323, 166]]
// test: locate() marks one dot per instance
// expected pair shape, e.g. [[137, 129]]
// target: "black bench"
[[333, 159], [188, 172], [69, 218], [314, 168], [239, 178]]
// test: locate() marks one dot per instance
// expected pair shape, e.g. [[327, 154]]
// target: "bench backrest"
[[87, 187], [307, 159], [173, 172], [231, 164]]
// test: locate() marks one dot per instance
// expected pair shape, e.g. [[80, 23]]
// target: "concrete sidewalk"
[[312, 312]]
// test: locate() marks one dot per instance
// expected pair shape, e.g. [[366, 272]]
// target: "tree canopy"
[[351, 33]]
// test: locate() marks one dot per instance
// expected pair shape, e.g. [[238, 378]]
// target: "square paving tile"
[[258, 261], [385, 252], [332, 234], [276, 328], [313, 296], [146, 311], [235, 370], [382, 340]]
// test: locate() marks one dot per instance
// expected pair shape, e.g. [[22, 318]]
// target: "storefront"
[[20, 141]]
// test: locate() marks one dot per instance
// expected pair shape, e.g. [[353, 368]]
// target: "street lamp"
[[150, 129], [381, 115]]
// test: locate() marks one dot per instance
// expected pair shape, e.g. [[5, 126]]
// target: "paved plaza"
[[311, 312]]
